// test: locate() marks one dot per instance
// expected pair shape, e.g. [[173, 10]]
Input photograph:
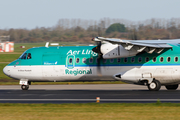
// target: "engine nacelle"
[[110, 51]]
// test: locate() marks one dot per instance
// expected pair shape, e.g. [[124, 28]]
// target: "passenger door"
[[51, 67]]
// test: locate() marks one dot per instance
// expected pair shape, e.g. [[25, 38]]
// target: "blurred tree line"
[[82, 31]]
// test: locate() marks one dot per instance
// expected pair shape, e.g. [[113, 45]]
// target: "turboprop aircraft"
[[153, 63]]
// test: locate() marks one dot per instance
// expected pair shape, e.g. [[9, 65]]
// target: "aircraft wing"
[[141, 45]]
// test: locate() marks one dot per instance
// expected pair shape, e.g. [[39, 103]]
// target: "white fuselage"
[[129, 74]]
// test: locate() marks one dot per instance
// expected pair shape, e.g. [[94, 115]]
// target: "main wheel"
[[24, 87], [155, 85], [172, 87]]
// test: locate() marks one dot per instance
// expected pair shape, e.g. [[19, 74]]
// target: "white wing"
[[142, 45]]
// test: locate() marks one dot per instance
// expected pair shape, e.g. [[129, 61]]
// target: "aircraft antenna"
[[47, 44]]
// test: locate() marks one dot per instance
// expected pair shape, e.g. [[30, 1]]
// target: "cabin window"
[[24, 56], [154, 59], [147, 59], [84, 60], [132, 59], [104, 60], [77, 60], [90, 60], [176, 59], [161, 59], [140, 59], [70, 60], [29, 56], [125, 60], [118, 60], [111, 60], [168, 59]]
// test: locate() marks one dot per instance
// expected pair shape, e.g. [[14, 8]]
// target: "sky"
[[30, 14]]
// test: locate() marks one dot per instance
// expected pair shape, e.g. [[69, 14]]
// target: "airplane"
[[152, 63]]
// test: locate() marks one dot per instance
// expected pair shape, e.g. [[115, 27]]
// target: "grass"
[[91, 111], [8, 57], [2, 75], [30, 45], [18, 49]]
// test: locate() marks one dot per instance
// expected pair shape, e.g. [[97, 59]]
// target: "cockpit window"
[[23, 56], [29, 56]]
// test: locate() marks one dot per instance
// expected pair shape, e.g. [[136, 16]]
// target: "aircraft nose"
[[6, 71]]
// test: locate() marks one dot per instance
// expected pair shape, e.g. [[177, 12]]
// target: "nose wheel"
[[24, 84], [24, 87]]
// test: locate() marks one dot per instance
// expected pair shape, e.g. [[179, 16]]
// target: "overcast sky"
[[46, 13]]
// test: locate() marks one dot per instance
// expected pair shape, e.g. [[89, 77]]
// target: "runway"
[[108, 93]]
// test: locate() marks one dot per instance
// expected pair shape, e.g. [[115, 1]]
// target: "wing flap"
[[139, 45]]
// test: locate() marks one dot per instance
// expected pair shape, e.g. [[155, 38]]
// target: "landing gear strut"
[[24, 84], [24, 87], [172, 87], [155, 85]]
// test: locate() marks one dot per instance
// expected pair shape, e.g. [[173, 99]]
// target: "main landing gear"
[[155, 85], [172, 87]]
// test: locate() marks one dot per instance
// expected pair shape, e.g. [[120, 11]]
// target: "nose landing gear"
[[24, 87], [24, 84]]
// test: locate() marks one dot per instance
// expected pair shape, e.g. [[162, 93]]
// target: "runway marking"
[[103, 100]]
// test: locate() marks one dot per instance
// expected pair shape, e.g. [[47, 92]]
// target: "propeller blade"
[[97, 49], [99, 65]]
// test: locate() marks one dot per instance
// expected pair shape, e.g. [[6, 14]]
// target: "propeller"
[[97, 50]]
